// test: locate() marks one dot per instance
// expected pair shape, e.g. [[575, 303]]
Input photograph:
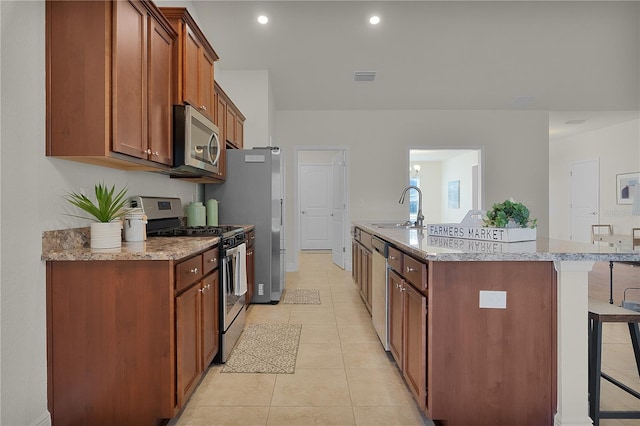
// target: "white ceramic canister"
[[135, 225], [196, 214], [212, 212]]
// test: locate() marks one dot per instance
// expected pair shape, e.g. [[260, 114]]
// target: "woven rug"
[[302, 296], [265, 348]]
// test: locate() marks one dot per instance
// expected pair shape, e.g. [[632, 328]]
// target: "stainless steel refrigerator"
[[253, 193]]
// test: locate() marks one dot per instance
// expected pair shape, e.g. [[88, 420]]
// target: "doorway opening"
[[321, 207], [450, 181]]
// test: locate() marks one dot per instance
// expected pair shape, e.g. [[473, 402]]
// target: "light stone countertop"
[[418, 243], [73, 245]]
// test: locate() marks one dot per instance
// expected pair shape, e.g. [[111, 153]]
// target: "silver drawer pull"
[[194, 271], [392, 258], [212, 260], [410, 269]]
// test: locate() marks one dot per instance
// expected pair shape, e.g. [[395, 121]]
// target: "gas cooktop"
[[223, 231]]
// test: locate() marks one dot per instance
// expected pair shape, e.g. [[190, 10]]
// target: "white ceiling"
[[576, 59]]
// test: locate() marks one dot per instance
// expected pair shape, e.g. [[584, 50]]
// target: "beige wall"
[[379, 143], [618, 149]]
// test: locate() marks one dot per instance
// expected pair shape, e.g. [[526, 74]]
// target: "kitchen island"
[[525, 363]]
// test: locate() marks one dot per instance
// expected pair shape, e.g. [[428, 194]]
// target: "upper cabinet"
[[109, 83], [229, 119], [194, 59]]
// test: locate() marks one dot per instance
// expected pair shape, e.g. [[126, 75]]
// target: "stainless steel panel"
[[253, 194]]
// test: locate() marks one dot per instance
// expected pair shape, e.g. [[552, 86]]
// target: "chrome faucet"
[[420, 217]]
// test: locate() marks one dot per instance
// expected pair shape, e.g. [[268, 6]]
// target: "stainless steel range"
[[164, 216]]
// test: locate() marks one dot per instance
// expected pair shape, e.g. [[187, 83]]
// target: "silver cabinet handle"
[[156, 153], [147, 151], [212, 260], [194, 271], [203, 107], [410, 269], [392, 257]]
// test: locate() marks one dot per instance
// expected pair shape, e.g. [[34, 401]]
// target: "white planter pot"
[[106, 235]]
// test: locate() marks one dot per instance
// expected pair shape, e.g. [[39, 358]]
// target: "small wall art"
[[453, 187], [625, 187]]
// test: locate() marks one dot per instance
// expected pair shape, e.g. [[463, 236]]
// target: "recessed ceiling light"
[[374, 20], [263, 19], [574, 121]]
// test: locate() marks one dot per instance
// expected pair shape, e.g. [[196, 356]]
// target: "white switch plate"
[[493, 299]]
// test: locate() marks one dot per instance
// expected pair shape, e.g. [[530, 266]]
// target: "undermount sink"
[[407, 225]]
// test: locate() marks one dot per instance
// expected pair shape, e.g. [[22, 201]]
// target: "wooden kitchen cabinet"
[[123, 345], [251, 265], [229, 119], [197, 322], [109, 93], [408, 324], [194, 61], [362, 265]]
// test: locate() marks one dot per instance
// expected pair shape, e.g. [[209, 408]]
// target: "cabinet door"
[[188, 352], [160, 94], [210, 321], [414, 341], [239, 132], [130, 79], [205, 84], [230, 126], [251, 273], [191, 68], [368, 279], [395, 284]]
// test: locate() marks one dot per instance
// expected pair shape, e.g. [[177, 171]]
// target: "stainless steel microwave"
[[196, 145]]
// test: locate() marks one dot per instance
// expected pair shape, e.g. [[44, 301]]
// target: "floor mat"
[[265, 348], [301, 296]]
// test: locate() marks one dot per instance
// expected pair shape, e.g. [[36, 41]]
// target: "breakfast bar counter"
[[546, 290]]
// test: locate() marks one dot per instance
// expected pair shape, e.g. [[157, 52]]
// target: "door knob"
[[594, 213]]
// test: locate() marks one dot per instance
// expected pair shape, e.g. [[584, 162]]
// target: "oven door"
[[233, 289]]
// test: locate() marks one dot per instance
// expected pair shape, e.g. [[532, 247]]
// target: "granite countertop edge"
[[73, 245], [419, 244]]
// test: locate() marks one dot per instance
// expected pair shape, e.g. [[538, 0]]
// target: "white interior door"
[[316, 196], [585, 199], [338, 250]]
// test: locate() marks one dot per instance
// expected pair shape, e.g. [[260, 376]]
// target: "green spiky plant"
[[500, 213], [108, 208]]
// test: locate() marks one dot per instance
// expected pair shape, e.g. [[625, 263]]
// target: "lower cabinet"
[[408, 334], [128, 340], [197, 333], [251, 266], [362, 265]]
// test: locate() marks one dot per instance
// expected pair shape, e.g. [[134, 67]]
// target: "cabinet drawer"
[[395, 260], [415, 272], [209, 260], [188, 272]]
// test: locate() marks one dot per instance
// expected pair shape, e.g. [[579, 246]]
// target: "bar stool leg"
[[595, 365], [635, 342]]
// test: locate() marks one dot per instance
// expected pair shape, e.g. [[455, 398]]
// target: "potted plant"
[[106, 214], [509, 214]]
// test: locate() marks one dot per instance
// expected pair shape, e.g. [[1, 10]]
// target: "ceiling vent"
[[364, 76], [574, 121]]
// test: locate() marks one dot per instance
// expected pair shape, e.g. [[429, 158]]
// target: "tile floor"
[[343, 377]]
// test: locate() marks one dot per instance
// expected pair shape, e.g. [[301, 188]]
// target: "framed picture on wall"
[[625, 187], [453, 187]]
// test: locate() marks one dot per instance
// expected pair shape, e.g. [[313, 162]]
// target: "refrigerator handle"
[[281, 213]]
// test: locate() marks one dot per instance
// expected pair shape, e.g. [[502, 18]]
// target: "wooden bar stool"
[[600, 312]]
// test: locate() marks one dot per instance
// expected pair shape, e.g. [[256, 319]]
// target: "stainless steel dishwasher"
[[379, 292]]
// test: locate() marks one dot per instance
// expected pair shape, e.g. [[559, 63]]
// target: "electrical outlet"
[[493, 299], [260, 289]]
